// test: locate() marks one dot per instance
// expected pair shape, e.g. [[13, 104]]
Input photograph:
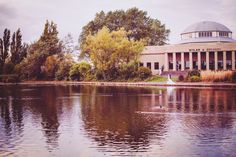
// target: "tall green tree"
[[135, 21], [110, 50], [47, 45], [4, 48], [18, 50]]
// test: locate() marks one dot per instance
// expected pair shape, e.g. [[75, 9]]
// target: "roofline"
[[205, 31]]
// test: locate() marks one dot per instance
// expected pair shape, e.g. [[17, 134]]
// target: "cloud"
[[72, 15]]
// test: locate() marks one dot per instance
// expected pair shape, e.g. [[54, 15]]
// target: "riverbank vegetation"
[[111, 44], [209, 76]]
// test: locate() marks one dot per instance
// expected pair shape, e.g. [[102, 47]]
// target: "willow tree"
[[110, 50]]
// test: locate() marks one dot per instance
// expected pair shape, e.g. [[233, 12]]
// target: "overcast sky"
[[72, 15]]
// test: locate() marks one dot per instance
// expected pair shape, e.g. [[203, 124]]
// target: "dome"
[[205, 32], [206, 26]]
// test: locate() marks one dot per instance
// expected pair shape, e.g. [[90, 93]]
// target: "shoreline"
[[137, 84]]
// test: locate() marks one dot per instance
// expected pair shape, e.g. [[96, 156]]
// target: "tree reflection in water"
[[51, 120], [110, 118]]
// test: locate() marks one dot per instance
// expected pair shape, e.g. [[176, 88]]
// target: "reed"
[[216, 76]]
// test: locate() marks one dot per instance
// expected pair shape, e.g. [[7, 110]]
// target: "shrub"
[[74, 72], [181, 78], [9, 78], [80, 71], [194, 73], [8, 68], [144, 72], [195, 79], [128, 71], [85, 70], [234, 76], [99, 75]]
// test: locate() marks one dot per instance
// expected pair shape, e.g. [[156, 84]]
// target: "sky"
[[71, 15]]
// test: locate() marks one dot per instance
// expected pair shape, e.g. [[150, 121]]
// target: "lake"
[[97, 121]]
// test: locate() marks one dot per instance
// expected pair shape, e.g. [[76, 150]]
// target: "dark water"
[[87, 121]]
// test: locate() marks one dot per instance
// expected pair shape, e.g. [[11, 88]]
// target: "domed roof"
[[206, 26]]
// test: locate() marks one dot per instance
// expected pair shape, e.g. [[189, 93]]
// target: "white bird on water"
[[169, 81]]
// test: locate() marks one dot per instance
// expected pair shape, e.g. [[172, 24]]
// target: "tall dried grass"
[[217, 76]]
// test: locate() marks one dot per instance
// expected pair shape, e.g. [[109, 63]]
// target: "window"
[[224, 34], [156, 65], [149, 65], [141, 64], [205, 34]]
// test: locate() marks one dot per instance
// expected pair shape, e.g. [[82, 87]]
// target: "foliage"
[[47, 45], [74, 72], [181, 78], [9, 78], [194, 73], [234, 76], [217, 76], [136, 22], [4, 48], [80, 71], [8, 68], [109, 51], [195, 78], [128, 71], [18, 50], [50, 67], [64, 66], [85, 70], [144, 72]]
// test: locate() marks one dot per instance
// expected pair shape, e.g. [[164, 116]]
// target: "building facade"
[[203, 46]]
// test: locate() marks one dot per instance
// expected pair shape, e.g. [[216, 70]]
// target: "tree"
[[4, 48], [109, 50], [64, 67], [47, 45], [18, 51], [135, 21], [50, 66]]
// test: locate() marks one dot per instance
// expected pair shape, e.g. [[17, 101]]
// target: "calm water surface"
[[88, 121]]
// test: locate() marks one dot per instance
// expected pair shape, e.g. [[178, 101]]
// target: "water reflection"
[[120, 121], [112, 121]]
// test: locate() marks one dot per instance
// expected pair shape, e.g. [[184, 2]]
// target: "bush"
[[128, 71], [9, 78], [181, 78], [8, 68], [80, 71], [194, 73], [85, 70], [234, 76], [144, 72], [74, 72], [98, 75], [195, 79]]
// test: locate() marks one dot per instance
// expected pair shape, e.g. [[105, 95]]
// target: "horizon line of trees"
[[112, 41]]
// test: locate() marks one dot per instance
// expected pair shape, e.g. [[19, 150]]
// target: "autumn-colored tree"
[[50, 67], [109, 50], [64, 67], [47, 45]]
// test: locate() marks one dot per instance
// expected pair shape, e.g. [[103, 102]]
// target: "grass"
[[160, 79], [216, 76]]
